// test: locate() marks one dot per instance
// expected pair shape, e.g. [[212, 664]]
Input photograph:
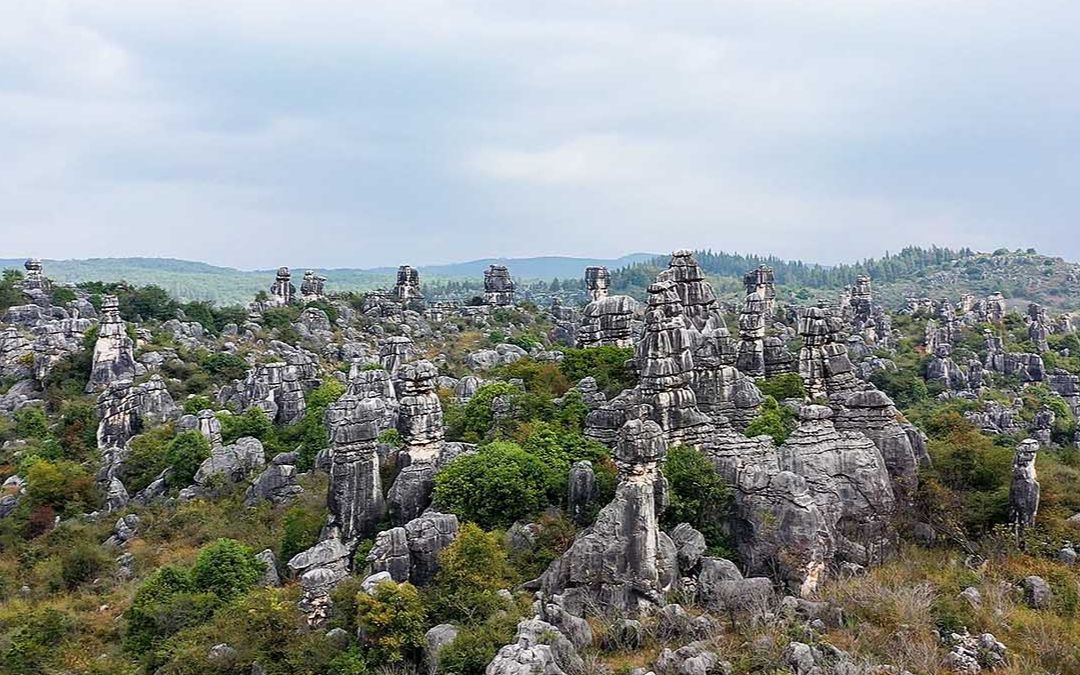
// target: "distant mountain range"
[[189, 280]]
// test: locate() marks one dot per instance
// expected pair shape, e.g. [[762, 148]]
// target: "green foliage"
[[558, 449], [61, 484], [606, 364], [391, 437], [34, 640], [391, 622], [905, 387], [252, 422], [497, 485], [774, 420], [31, 423], [83, 562], [193, 405], [280, 317], [309, 435], [76, 429], [783, 386], [184, 454], [164, 603], [328, 307], [697, 494], [471, 571], [541, 378], [224, 367], [473, 423], [225, 568], [300, 531], [10, 294], [147, 458], [475, 646]]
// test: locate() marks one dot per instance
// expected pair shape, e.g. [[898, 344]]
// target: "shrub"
[[193, 405], [783, 386], [697, 493], [224, 367], [31, 423], [774, 420], [164, 603], [497, 485], [558, 450], [83, 562], [471, 571], [474, 423], [391, 622], [147, 457], [905, 387], [606, 364], [77, 429], [253, 422], [475, 646], [184, 455], [280, 317], [300, 528], [225, 568], [61, 484]]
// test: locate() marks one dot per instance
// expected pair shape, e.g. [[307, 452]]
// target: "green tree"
[[493, 487], [391, 622], [62, 484], [785, 385], [184, 455], [472, 569], [606, 364], [774, 420], [698, 494], [31, 423], [225, 568]]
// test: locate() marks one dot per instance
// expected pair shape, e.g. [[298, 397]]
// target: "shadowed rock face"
[[872, 413], [751, 350], [498, 286], [355, 496], [396, 351], [1024, 488], [623, 560], [114, 351], [724, 393]]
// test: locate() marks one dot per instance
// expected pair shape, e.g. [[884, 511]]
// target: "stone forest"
[[586, 484]]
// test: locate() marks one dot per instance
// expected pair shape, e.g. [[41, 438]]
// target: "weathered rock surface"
[[1024, 487], [114, 351], [498, 286], [355, 497]]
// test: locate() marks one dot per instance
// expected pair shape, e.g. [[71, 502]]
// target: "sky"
[[358, 134]]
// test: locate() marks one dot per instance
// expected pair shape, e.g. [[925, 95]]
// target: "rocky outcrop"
[[581, 491], [994, 308], [1024, 487], [538, 648], [282, 292], [34, 277], [277, 483], [1028, 367], [847, 478], [824, 365], [396, 351], [407, 286], [355, 497], [375, 383], [623, 561], [609, 320], [942, 370], [231, 464], [724, 393], [410, 553], [277, 388], [498, 286], [666, 368], [762, 282], [313, 286], [114, 351], [751, 349], [696, 296], [420, 418], [872, 413], [1039, 327], [597, 282]]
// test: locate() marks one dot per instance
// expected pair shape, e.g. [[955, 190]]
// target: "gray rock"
[[270, 574], [696, 658], [1024, 488], [355, 496], [689, 543], [222, 656], [498, 286], [435, 639], [582, 491], [114, 352], [1037, 594], [232, 463]]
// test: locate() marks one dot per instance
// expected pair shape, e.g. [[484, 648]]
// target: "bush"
[[184, 455], [224, 367], [253, 422], [494, 487], [164, 603], [31, 423], [471, 571], [193, 405], [697, 494], [558, 450], [606, 364], [83, 562], [783, 386], [300, 531], [226, 568], [147, 457], [61, 484], [474, 422], [77, 429], [475, 646], [280, 317], [774, 420], [391, 622], [905, 387]]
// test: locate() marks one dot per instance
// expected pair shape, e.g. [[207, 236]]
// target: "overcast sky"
[[358, 133]]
